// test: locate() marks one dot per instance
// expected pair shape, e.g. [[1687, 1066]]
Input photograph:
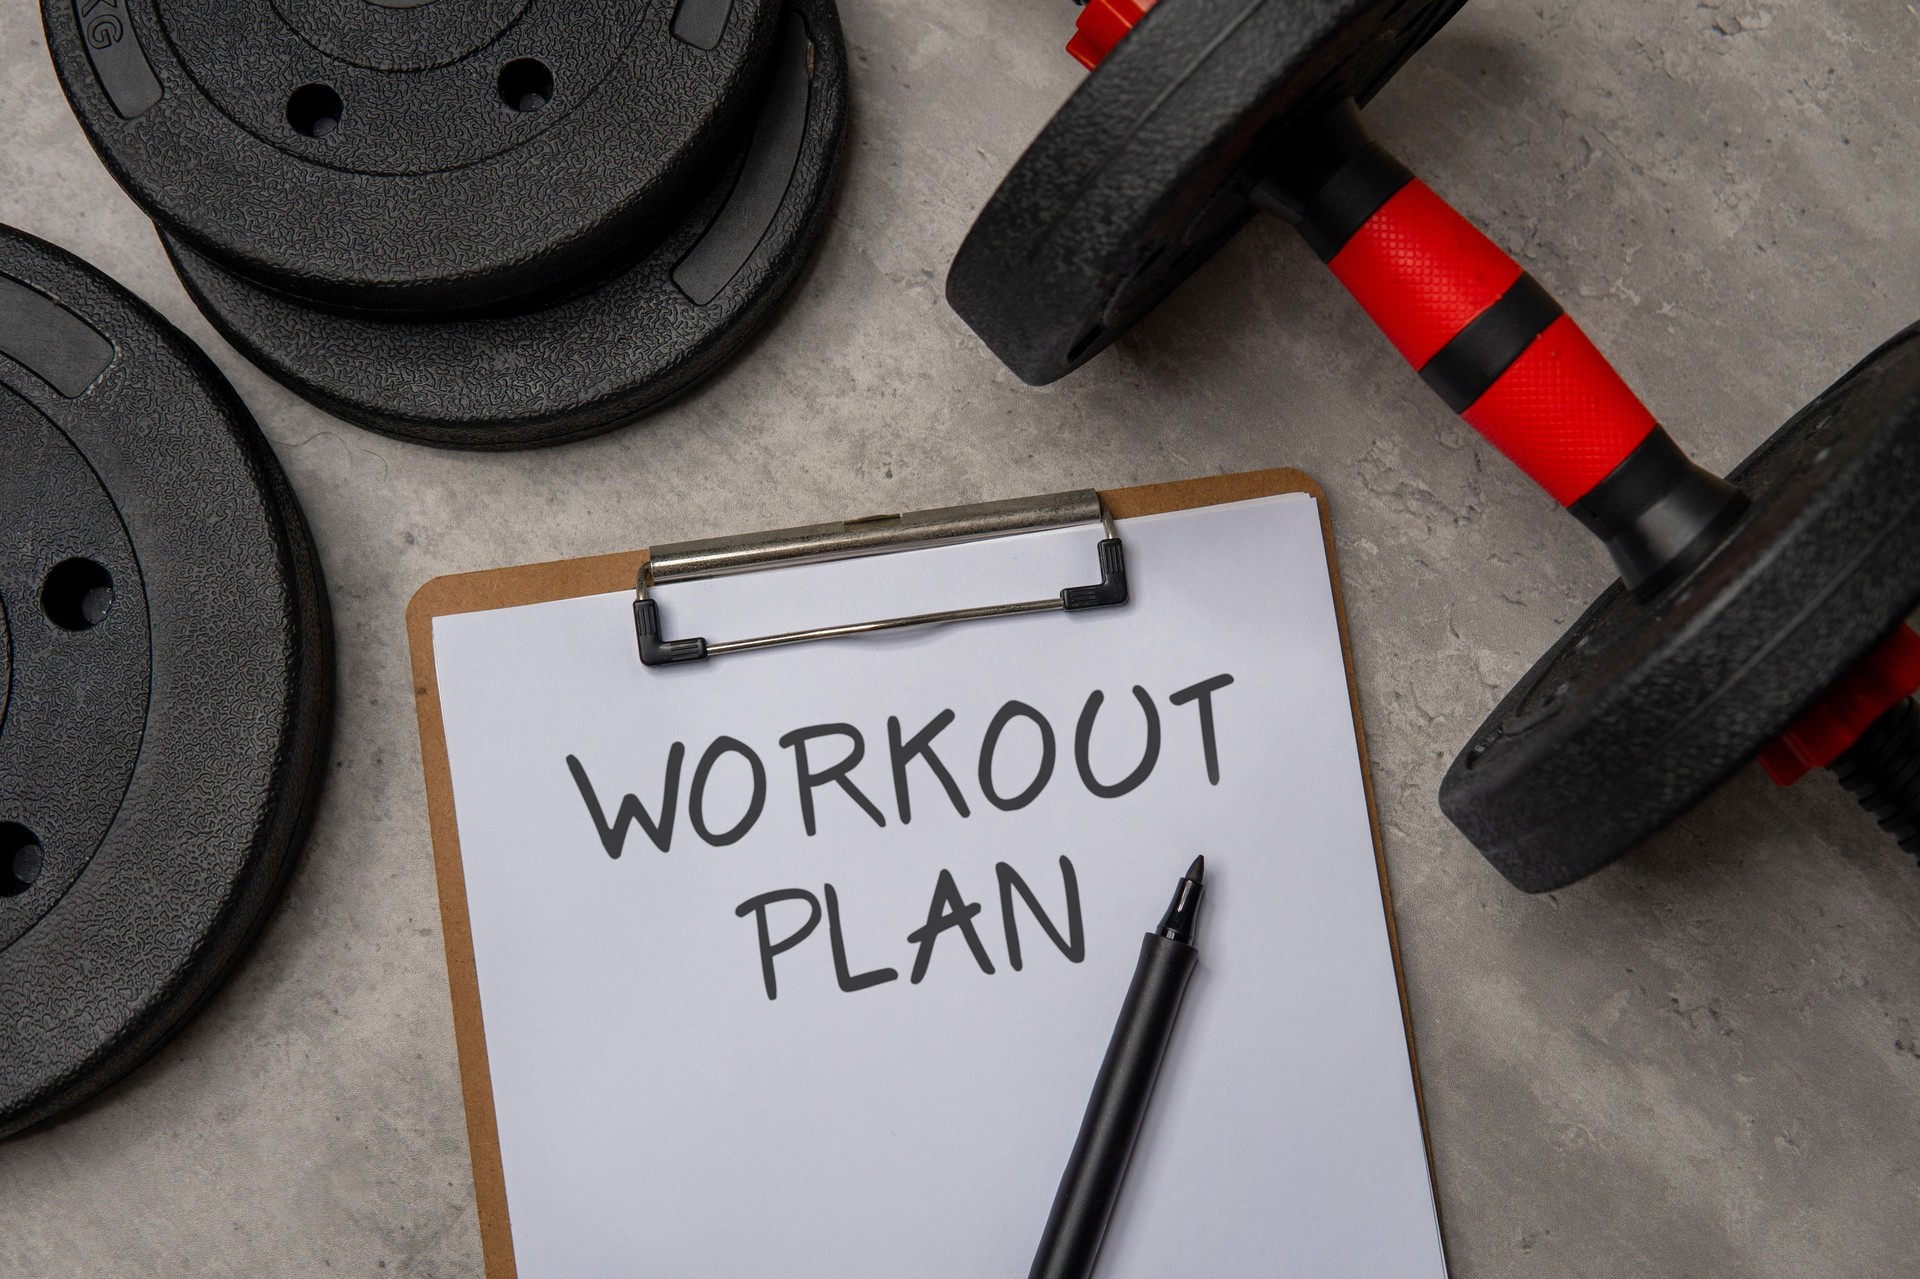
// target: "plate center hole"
[[20, 859], [314, 110], [526, 84], [77, 595]]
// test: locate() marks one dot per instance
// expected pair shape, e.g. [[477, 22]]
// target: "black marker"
[[1091, 1182]]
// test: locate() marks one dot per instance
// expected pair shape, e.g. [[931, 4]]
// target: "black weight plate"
[[431, 192], [621, 349], [1145, 171], [1641, 709], [164, 684]]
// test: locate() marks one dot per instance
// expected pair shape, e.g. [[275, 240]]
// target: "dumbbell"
[[1763, 614], [166, 677], [471, 223]]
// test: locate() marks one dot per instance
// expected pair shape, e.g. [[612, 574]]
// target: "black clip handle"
[[656, 651], [1112, 589]]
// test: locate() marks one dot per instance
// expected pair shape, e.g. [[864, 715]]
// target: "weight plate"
[[623, 348], [1145, 171], [423, 159], [164, 680], [1641, 709]]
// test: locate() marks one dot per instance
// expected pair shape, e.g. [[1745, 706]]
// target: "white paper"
[[659, 1115]]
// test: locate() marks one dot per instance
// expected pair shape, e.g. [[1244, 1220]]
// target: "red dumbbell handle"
[[1429, 280], [1499, 350], [1481, 332], [1442, 293]]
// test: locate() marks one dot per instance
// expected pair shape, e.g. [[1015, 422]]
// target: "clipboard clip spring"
[[873, 535]]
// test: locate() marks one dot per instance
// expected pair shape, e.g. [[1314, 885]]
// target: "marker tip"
[[1198, 870]]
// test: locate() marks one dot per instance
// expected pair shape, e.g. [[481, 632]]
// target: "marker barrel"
[[1091, 1184]]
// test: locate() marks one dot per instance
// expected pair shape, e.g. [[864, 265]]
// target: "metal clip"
[[874, 535]]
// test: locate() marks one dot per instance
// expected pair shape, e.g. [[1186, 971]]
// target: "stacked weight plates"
[[165, 680], [472, 223]]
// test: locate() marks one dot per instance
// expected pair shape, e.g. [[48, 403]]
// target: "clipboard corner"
[[1215, 490]]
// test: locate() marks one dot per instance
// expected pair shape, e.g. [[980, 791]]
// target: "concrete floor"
[[1703, 1062]]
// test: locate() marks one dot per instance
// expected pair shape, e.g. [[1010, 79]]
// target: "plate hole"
[[314, 110], [77, 595], [20, 859], [526, 84]]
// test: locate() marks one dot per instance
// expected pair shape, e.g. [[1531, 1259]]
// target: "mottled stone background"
[[1702, 1062]]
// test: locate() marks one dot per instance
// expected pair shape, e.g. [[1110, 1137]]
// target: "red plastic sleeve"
[[1824, 733], [1559, 410]]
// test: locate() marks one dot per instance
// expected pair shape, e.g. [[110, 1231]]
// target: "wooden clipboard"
[[600, 574]]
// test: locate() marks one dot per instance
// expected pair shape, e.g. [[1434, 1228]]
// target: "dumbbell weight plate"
[[421, 159], [622, 348], [1145, 171], [1641, 709], [165, 684]]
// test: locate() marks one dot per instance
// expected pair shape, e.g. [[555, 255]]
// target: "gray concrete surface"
[[1704, 1062]]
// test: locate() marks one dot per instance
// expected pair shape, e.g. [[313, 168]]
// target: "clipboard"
[[630, 571]]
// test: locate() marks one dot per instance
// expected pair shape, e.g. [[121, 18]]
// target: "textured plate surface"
[[438, 158], [1641, 709], [619, 350], [164, 692], [1145, 171]]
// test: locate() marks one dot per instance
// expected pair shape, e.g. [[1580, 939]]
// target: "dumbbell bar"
[[1496, 347], [1500, 351], [1743, 603]]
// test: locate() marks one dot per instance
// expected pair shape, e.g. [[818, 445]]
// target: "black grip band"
[[1328, 178], [1473, 360], [1659, 513], [1353, 194]]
